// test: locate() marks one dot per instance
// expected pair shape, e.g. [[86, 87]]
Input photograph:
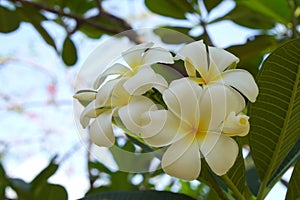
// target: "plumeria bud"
[[85, 96], [236, 125]]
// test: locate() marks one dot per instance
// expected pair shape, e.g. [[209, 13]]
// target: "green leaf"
[[211, 4], [135, 195], [44, 33], [129, 161], [251, 53], [91, 31], [99, 166], [274, 118], [170, 8], [48, 191], [29, 14], [289, 161], [174, 35], [278, 10], [9, 20], [252, 179], [249, 17], [69, 52], [34, 17], [207, 177], [3, 181], [21, 188], [294, 187], [43, 176], [237, 173], [168, 72], [80, 6]]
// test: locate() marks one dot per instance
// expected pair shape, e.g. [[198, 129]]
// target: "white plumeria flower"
[[139, 56], [192, 128], [113, 99], [211, 66], [236, 125]]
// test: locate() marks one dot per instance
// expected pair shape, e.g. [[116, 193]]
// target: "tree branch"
[[81, 20], [206, 36]]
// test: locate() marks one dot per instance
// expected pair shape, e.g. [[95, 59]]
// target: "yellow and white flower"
[[121, 96], [142, 55], [113, 100], [212, 65], [192, 128]]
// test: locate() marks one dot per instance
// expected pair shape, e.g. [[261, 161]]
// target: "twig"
[[206, 36], [294, 19], [81, 20], [233, 188]]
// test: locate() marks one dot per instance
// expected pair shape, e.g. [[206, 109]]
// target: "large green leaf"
[[294, 187], [249, 17], [289, 160], [69, 52], [251, 53], [174, 35], [170, 8], [237, 173], [278, 10], [207, 177], [9, 20], [274, 118], [136, 195]]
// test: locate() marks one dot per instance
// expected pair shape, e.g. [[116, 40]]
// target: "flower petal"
[[160, 128], [101, 131], [222, 58], [223, 155], [182, 100], [143, 81], [241, 80], [84, 121], [90, 111], [234, 101], [236, 125], [182, 159], [104, 92], [131, 114], [119, 96], [213, 109], [133, 56], [195, 54], [157, 55], [116, 68]]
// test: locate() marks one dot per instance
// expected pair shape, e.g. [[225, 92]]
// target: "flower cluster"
[[196, 116]]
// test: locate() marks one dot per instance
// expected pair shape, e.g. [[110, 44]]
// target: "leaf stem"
[[293, 7], [234, 189], [209, 180]]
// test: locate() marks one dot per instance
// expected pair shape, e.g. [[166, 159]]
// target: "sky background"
[[36, 105]]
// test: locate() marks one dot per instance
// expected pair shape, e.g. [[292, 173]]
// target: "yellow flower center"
[[200, 134], [201, 130], [243, 121]]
